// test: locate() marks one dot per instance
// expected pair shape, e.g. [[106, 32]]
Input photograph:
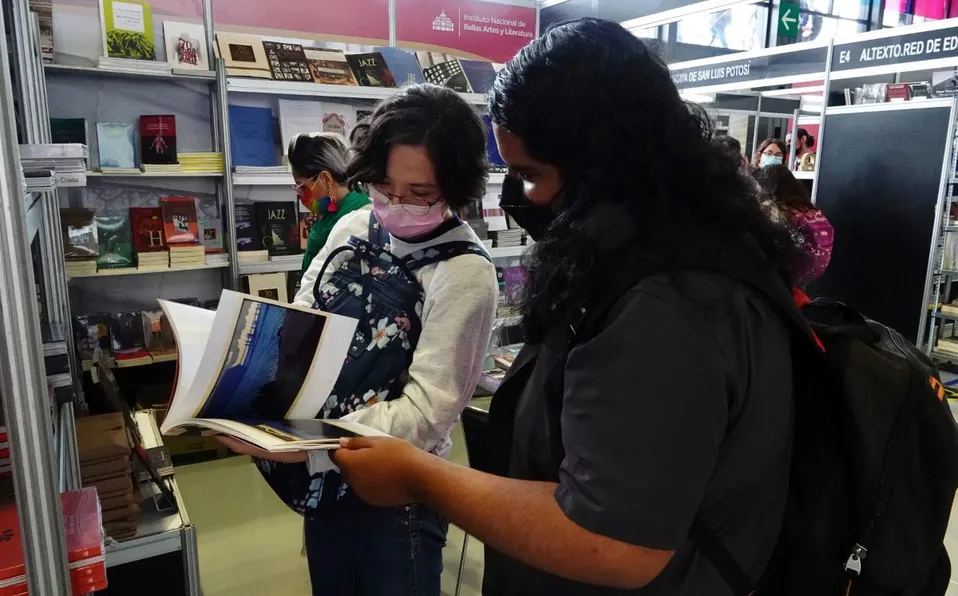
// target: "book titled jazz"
[[278, 227], [287, 61], [147, 225], [179, 220], [371, 70], [158, 139]]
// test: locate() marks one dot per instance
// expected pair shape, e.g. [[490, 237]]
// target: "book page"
[[286, 435], [191, 328], [265, 360]]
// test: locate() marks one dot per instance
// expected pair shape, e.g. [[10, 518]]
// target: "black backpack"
[[875, 460]]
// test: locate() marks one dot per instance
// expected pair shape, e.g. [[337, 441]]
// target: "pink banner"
[[360, 19], [489, 30]]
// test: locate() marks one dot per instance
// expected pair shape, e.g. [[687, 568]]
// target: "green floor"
[[250, 543]]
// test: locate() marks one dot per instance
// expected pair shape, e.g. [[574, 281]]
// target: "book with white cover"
[[186, 45], [260, 371]]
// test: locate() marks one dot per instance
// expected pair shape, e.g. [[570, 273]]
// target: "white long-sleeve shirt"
[[460, 304]]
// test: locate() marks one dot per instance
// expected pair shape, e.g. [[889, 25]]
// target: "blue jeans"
[[359, 550]]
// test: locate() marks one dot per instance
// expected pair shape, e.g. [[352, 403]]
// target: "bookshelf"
[[204, 76], [273, 266], [157, 175]]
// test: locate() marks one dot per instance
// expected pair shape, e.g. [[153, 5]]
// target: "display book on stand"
[[507, 334]]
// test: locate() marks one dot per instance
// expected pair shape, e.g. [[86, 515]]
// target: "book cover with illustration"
[[90, 333], [278, 227], [158, 139], [211, 234], [247, 232], [186, 45], [260, 372], [147, 224], [179, 220], [113, 236], [448, 74], [371, 70], [79, 233], [127, 29], [116, 145], [329, 67], [403, 64], [287, 61]]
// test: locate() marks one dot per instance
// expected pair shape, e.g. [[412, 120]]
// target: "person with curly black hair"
[[614, 439], [425, 292]]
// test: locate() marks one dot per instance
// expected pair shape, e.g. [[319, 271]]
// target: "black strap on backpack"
[[743, 262]]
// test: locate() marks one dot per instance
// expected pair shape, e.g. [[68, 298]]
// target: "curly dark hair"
[[639, 168], [435, 118], [780, 185]]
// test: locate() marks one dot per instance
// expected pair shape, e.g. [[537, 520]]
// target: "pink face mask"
[[405, 221]]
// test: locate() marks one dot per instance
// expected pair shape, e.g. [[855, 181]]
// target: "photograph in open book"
[[265, 367]]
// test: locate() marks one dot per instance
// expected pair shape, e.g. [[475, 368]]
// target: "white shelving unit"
[[296, 89], [276, 265], [134, 271], [205, 76], [157, 175]]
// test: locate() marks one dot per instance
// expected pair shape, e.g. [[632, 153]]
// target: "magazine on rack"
[[260, 371]]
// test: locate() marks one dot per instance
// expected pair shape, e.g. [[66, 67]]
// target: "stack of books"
[[198, 163], [221, 258], [105, 464], [187, 256], [262, 170], [121, 171], [133, 66], [248, 257], [82, 526], [488, 243], [5, 469], [153, 261], [947, 346], [68, 161], [508, 238], [78, 227], [39, 179], [172, 168]]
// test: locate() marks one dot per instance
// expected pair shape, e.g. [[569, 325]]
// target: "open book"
[[259, 370]]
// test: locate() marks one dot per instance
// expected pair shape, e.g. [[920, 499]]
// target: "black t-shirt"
[[680, 406]]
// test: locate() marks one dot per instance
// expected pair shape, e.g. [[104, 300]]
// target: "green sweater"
[[321, 229]]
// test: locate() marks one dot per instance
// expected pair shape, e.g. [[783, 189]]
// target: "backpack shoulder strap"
[[378, 236], [443, 252]]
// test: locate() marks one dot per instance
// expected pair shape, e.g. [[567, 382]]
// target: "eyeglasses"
[[300, 188], [411, 204], [771, 153]]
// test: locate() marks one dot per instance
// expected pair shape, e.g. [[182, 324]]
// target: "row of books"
[[117, 146], [267, 229], [131, 38], [146, 238], [125, 338]]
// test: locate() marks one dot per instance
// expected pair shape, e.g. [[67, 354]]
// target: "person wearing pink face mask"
[[425, 293]]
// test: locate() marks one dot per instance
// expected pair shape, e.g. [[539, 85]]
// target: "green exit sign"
[[788, 19]]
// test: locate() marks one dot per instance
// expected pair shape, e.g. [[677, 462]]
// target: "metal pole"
[[793, 155], [821, 126], [214, 102], [392, 23], [26, 403], [758, 117], [223, 96]]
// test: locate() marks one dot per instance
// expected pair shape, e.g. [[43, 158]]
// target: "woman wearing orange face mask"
[[319, 163]]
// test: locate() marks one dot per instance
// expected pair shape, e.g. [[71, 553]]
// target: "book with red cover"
[[158, 139], [84, 536], [899, 92], [147, 223], [180, 225]]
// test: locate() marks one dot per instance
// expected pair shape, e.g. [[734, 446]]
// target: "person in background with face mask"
[[771, 152], [318, 161], [422, 156], [653, 396], [804, 156]]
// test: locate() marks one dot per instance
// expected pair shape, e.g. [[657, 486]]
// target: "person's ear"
[[327, 180]]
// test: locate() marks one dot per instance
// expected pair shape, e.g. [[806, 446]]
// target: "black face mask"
[[534, 219]]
